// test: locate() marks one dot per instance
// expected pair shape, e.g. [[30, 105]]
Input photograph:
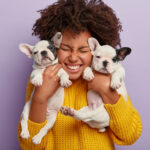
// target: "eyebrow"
[[66, 45], [83, 47], [72, 47]]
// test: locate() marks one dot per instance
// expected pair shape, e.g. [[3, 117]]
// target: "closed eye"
[[65, 49]]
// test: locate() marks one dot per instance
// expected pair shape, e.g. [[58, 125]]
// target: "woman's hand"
[[50, 83], [43, 93], [101, 84]]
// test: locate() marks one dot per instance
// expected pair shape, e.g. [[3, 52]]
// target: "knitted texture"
[[70, 134]]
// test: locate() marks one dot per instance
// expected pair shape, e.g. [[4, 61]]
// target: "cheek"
[[61, 56], [87, 59]]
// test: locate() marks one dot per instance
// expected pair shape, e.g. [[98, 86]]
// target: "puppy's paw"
[[88, 74], [25, 134], [37, 139], [65, 82], [102, 130], [115, 83], [67, 111], [37, 80]]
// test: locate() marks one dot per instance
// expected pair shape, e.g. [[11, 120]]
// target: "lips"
[[73, 67]]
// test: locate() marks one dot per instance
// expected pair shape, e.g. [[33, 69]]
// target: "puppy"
[[44, 54], [105, 60]]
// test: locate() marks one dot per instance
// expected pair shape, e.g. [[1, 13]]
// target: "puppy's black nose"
[[44, 53], [105, 63]]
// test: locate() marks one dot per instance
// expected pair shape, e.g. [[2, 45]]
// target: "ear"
[[93, 44], [26, 49], [122, 53], [57, 38]]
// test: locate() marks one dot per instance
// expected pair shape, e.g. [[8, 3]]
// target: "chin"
[[74, 77]]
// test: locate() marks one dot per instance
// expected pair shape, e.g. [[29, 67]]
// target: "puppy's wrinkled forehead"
[[41, 45], [106, 51]]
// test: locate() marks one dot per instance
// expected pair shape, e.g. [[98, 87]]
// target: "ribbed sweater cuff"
[[34, 127], [118, 109], [125, 122]]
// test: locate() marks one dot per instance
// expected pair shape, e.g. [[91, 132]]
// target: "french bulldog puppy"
[[44, 54], [105, 60]]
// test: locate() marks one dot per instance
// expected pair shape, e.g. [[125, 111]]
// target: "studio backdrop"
[[16, 20]]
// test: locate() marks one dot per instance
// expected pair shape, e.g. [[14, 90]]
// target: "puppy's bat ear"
[[93, 44], [56, 39], [123, 52], [26, 49]]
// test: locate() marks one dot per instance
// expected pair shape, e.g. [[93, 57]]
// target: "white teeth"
[[73, 67]]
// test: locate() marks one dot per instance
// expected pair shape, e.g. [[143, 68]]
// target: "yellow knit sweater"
[[70, 134]]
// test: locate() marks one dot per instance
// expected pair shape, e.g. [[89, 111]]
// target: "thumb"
[[89, 86]]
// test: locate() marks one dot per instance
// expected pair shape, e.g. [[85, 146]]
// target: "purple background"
[[16, 20]]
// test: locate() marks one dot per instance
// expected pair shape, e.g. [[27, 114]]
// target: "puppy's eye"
[[98, 57], [35, 53], [51, 47]]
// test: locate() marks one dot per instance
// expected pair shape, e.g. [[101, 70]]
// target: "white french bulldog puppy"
[[44, 54], [105, 60]]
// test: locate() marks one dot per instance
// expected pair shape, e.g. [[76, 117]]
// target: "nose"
[[105, 63], [44, 53], [73, 57]]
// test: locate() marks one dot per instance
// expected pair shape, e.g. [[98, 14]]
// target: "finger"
[[51, 68], [56, 78], [89, 87], [56, 69]]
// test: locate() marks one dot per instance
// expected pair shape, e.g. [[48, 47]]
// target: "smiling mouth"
[[73, 68]]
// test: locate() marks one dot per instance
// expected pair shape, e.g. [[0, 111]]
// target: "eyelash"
[[69, 50], [83, 51], [65, 49]]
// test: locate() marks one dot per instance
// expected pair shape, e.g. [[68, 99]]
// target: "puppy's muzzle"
[[105, 63], [44, 53]]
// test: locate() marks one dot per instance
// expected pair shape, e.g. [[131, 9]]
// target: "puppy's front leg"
[[117, 78], [37, 77], [88, 74], [64, 78]]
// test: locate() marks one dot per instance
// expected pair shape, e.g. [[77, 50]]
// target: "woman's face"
[[74, 53]]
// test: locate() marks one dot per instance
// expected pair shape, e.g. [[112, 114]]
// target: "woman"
[[78, 20]]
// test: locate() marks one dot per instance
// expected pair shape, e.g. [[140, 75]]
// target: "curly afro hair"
[[79, 15]]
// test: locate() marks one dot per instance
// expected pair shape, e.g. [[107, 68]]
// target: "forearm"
[[110, 97], [38, 109]]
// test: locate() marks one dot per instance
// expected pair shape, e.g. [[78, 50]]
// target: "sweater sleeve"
[[125, 122], [34, 128]]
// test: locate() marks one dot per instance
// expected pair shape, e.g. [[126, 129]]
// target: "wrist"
[[110, 97]]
